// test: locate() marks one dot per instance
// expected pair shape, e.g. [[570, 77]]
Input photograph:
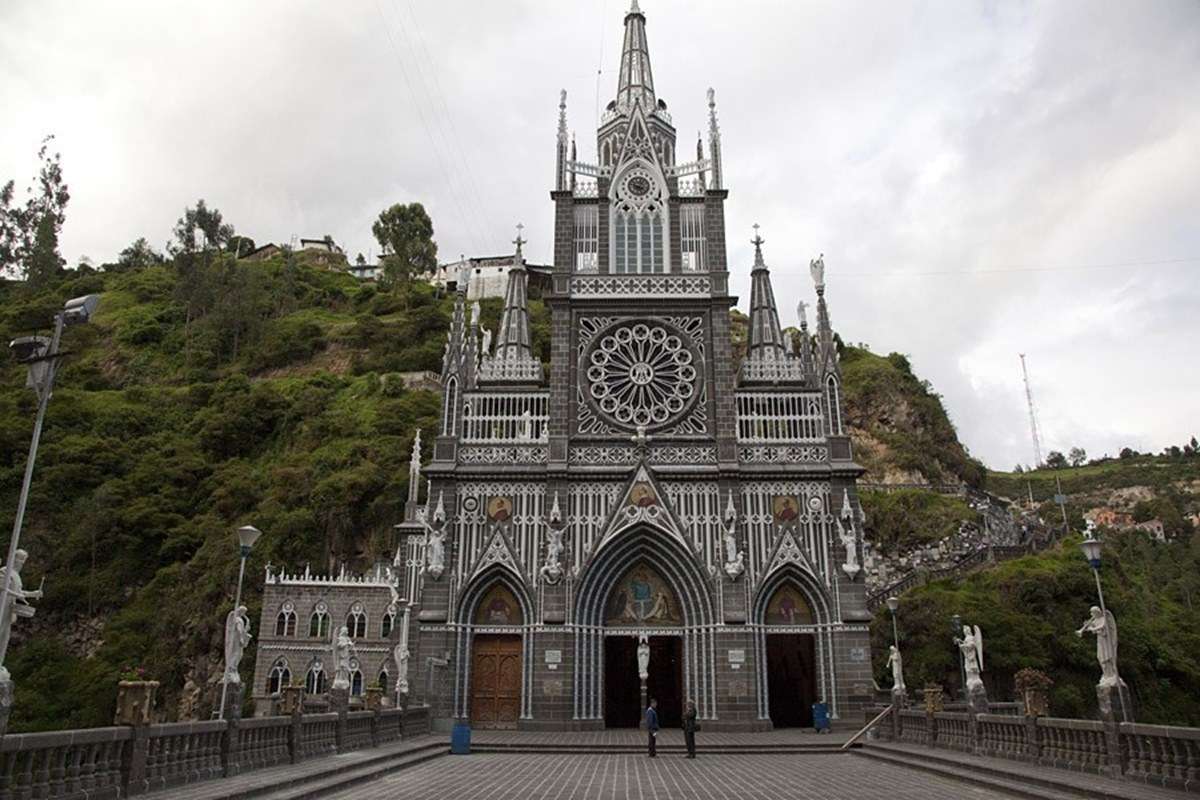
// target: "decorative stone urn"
[[934, 698], [374, 698], [291, 698], [135, 702]]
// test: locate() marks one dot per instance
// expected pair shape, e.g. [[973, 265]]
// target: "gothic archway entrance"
[[642, 604], [496, 662], [791, 658]]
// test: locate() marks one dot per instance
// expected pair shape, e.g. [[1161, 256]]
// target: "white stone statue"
[[474, 306], [735, 560], [401, 655], [487, 341], [435, 540], [393, 582], [643, 657], [817, 268], [237, 636], [526, 426], [343, 651], [1104, 625], [551, 571], [971, 647], [896, 662], [803, 316], [848, 536], [19, 605]]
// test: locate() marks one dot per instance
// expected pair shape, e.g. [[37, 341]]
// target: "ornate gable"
[[498, 551], [643, 502], [788, 550]]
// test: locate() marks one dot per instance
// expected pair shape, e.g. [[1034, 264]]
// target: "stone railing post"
[[375, 727], [230, 761], [1033, 742], [1112, 748], [296, 734], [133, 760], [897, 725], [339, 701], [931, 726]]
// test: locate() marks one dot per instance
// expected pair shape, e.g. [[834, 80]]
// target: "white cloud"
[[910, 143]]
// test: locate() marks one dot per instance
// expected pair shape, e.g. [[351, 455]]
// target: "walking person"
[[652, 725], [689, 729]]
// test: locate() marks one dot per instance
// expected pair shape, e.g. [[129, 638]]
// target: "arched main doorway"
[[641, 604], [492, 687], [610, 614], [791, 658]]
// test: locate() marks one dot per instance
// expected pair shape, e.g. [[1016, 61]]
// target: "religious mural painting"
[[499, 510], [788, 606], [785, 509], [498, 607], [642, 597]]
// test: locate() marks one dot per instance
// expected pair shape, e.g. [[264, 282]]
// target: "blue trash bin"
[[460, 739], [820, 717]]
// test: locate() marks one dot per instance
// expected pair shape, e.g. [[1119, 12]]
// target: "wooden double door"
[[496, 682]]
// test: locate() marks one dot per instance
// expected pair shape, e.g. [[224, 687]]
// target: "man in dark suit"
[[652, 725], [689, 728]]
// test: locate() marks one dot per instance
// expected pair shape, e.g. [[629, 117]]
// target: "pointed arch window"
[[285, 622], [279, 676], [389, 622], [448, 414], [356, 622], [833, 399], [318, 623], [315, 681], [356, 683], [385, 680], [638, 242]]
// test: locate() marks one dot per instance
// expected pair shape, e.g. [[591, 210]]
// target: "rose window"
[[642, 374]]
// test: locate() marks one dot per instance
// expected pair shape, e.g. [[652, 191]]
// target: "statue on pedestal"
[[735, 560], [971, 648], [643, 657], [237, 636], [19, 607], [401, 655], [551, 571], [343, 651], [848, 536], [896, 662], [435, 540], [1104, 625]]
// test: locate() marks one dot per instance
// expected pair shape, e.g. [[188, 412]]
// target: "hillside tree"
[[405, 233], [1077, 456], [1056, 460], [29, 233]]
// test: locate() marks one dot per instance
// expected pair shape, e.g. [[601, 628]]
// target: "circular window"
[[641, 374]]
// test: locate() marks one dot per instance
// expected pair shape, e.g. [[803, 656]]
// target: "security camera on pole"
[[42, 356]]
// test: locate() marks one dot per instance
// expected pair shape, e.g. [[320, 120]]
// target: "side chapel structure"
[[644, 489]]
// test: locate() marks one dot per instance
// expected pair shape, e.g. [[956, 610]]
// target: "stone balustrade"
[[116, 762], [1160, 755]]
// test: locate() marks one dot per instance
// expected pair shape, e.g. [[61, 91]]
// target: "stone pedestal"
[[899, 698], [374, 698], [6, 702], [339, 700], [234, 695], [1115, 703], [977, 698], [291, 700]]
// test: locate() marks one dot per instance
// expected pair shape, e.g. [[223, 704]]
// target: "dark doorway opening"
[[622, 688], [791, 679]]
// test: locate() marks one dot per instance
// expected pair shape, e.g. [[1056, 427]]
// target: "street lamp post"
[[42, 356], [247, 536], [893, 603], [1091, 551]]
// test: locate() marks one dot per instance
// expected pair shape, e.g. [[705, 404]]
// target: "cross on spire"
[[758, 242], [519, 241]]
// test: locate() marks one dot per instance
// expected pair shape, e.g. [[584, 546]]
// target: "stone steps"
[[337, 780], [1010, 778]]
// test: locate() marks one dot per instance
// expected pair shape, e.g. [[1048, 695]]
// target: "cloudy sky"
[[984, 178]]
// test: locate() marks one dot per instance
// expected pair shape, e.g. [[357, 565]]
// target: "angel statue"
[[401, 655], [237, 636], [896, 662], [18, 606], [1104, 625], [848, 536], [735, 560], [343, 651], [817, 268], [971, 647], [392, 576], [551, 571], [487, 341]]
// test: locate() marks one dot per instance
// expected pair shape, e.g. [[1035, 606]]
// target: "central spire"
[[636, 83]]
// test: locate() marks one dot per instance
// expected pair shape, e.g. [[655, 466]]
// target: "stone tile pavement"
[[673, 777], [667, 736]]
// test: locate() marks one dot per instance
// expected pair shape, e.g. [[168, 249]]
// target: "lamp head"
[[893, 603], [1090, 546], [956, 623], [29, 348], [247, 536], [80, 309]]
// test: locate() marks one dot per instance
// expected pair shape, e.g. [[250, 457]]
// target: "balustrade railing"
[[117, 762], [1161, 755]]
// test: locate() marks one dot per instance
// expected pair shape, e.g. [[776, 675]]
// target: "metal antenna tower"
[[1033, 424]]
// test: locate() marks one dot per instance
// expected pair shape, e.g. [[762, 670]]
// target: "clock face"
[[639, 186]]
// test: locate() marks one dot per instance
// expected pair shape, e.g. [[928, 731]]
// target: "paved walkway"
[[613, 777], [271, 777], [667, 736]]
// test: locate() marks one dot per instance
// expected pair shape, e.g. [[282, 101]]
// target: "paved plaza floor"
[[610, 777]]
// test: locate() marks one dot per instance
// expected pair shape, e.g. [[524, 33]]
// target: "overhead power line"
[[1016, 268]]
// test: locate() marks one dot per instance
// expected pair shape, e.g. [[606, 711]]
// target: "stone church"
[[646, 518]]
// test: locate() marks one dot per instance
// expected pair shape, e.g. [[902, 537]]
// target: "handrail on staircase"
[[868, 726]]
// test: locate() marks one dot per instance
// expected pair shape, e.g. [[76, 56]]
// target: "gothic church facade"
[[647, 489]]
